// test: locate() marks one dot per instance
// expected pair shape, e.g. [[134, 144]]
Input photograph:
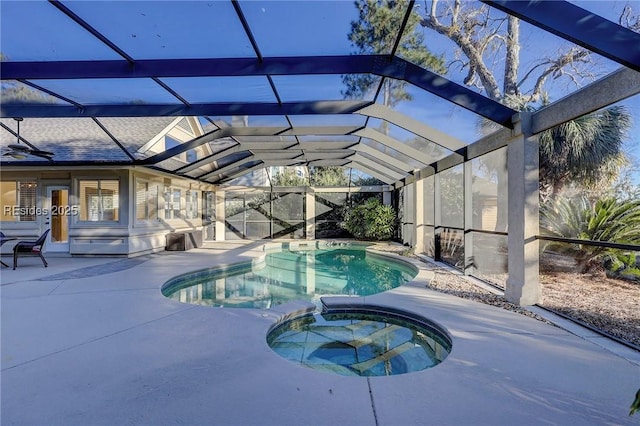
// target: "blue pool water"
[[360, 343], [291, 275]]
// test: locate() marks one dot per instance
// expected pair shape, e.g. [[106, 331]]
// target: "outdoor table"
[[2, 241]]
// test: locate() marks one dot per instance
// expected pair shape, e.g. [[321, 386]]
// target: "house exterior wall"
[[122, 233]]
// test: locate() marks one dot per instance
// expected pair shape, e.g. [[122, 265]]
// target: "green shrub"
[[605, 220], [371, 221]]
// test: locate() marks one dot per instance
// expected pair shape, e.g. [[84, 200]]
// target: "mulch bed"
[[606, 304]]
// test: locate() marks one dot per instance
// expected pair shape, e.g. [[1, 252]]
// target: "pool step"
[[373, 337], [368, 365]]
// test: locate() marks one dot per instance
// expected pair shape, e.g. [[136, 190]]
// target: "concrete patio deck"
[[92, 341]]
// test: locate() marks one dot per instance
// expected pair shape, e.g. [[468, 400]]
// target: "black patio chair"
[[30, 248]]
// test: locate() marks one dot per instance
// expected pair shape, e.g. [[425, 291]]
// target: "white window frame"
[[170, 211], [149, 195], [192, 204], [101, 198], [17, 208]]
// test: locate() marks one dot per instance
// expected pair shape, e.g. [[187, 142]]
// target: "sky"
[[162, 29]]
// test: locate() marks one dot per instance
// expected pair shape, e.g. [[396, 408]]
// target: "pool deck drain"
[[110, 349]]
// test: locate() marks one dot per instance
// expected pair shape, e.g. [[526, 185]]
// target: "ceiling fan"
[[21, 151]]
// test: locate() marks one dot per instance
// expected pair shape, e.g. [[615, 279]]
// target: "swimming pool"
[[289, 275]]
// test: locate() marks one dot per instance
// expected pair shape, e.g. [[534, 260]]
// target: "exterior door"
[[58, 213]]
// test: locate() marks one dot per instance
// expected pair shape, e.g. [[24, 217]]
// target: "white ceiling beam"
[[285, 154], [319, 130], [210, 159], [376, 166], [329, 162], [386, 168], [396, 145], [371, 172], [414, 126], [615, 87], [241, 172], [230, 166], [263, 165], [383, 157]]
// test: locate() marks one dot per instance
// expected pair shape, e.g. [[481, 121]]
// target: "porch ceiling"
[[266, 93]]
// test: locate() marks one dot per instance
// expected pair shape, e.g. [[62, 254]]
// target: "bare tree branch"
[[432, 13], [556, 68], [512, 60], [627, 19], [483, 39], [456, 32]]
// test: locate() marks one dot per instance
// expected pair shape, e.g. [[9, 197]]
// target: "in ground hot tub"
[[362, 341]]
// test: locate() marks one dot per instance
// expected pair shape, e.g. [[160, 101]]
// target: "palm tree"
[[586, 150]]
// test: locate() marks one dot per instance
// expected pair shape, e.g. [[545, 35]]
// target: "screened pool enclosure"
[[191, 107]]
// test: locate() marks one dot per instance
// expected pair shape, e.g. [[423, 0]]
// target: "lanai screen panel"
[[429, 215], [301, 28], [489, 205], [279, 65], [539, 49], [36, 31], [443, 116], [330, 208], [288, 220], [154, 30]]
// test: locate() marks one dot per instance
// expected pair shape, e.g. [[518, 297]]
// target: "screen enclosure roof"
[[264, 84]]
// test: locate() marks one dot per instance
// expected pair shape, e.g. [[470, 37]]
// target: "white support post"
[[409, 220], [220, 228], [437, 216], [469, 265], [419, 216], [310, 200], [386, 197], [523, 284]]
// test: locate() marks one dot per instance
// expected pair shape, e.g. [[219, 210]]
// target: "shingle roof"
[[62, 136]]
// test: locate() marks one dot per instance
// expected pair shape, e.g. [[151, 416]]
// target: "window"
[[192, 205], [99, 200], [146, 201], [170, 142], [19, 201], [192, 156], [172, 203]]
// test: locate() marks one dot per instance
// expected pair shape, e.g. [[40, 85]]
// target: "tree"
[[318, 176], [587, 150], [624, 188], [367, 181], [371, 220], [375, 32], [288, 177], [13, 91], [607, 219], [488, 43], [480, 36], [329, 176]]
